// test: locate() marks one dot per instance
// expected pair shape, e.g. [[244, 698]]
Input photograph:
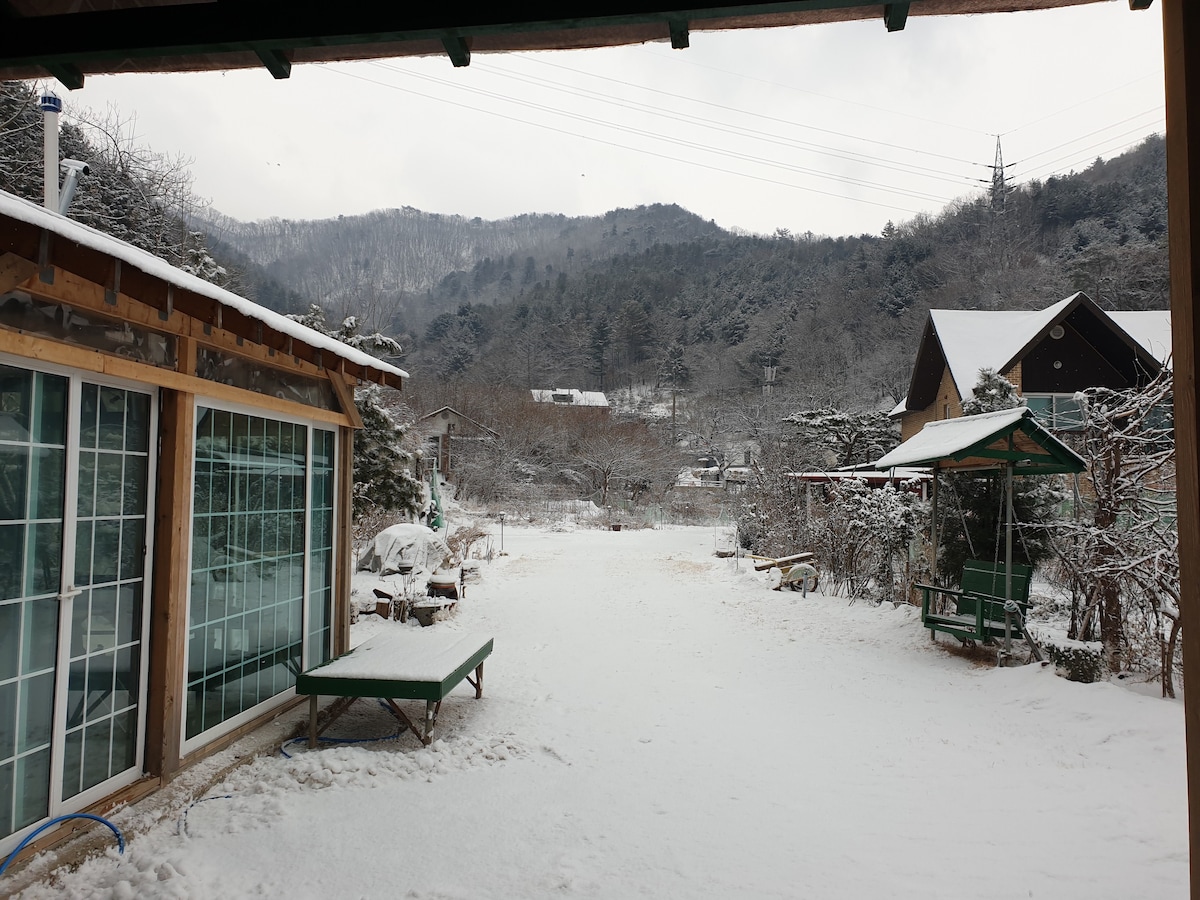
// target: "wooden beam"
[[14, 270], [680, 39], [458, 51], [895, 15], [277, 63], [1181, 52], [52, 351], [67, 73], [74, 290], [168, 604], [345, 398]]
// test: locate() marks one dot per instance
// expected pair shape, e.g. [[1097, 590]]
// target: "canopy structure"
[[986, 441], [1010, 439]]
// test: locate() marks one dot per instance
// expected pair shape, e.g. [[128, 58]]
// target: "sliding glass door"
[[76, 465]]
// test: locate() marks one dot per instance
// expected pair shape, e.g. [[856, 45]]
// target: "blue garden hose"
[[328, 740], [29, 837]]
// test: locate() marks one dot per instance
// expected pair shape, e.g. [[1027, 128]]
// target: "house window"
[[262, 563], [1058, 412]]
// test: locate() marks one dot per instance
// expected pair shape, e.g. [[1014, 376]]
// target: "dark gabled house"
[[1049, 355]]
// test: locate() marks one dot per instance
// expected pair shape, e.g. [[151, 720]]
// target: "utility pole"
[[999, 185]]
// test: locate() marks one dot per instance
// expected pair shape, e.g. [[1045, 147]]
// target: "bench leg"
[[431, 713], [312, 721], [478, 682]]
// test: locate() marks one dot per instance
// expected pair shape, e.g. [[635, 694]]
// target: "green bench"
[[979, 604], [397, 664]]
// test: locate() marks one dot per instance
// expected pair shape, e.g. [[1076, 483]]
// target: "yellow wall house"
[[1049, 354], [175, 486]]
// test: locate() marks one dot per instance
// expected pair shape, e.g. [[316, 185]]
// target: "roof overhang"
[[36, 243], [987, 441], [69, 39]]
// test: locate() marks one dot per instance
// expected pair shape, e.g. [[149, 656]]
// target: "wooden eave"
[[57, 268], [70, 40], [927, 371]]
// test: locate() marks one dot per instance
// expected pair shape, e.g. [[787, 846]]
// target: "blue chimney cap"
[[50, 102]]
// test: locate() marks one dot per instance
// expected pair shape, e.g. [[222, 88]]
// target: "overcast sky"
[[833, 129]]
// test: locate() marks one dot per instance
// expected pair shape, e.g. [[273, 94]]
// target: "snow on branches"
[[1120, 554]]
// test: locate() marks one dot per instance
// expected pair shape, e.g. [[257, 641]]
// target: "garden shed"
[[175, 485]]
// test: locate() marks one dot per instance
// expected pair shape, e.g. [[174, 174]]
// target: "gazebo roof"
[[987, 441]]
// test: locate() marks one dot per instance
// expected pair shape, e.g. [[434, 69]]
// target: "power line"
[[608, 143], [1083, 137], [1055, 115], [750, 113], [628, 129], [825, 150], [797, 90], [1078, 158]]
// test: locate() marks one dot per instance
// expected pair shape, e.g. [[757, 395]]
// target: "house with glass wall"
[[1049, 354], [175, 488]]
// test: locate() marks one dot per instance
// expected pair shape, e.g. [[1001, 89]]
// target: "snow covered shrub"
[[861, 538], [1075, 660]]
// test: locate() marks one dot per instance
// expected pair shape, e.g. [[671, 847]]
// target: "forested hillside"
[[838, 319], [645, 297], [656, 296], [390, 267]]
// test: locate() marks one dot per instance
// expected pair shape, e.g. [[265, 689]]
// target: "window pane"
[[14, 479], [243, 587]]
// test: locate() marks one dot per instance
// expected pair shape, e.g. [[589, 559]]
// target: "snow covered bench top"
[[405, 663]]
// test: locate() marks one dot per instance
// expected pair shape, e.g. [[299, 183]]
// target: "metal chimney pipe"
[[51, 106]]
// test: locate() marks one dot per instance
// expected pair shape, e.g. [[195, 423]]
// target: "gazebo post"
[[1008, 554], [933, 534]]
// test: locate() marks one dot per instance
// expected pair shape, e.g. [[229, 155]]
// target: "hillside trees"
[[132, 192]]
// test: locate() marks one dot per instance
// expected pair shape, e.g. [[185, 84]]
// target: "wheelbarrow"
[[797, 571]]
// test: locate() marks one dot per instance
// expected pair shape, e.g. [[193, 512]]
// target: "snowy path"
[[656, 724]]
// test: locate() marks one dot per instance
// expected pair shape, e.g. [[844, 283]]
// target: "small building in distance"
[[446, 431], [570, 398]]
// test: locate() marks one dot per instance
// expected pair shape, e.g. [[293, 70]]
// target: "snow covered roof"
[[1150, 328], [896, 473], [986, 440], [570, 397], [970, 340], [16, 208]]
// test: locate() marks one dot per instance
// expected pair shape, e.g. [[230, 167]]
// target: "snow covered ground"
[[658, 723]]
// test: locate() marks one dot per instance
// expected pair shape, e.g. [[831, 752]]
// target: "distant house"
[[1049, 355], [569, 398], [446, 430]]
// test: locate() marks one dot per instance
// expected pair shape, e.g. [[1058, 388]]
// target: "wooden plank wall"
[[1181, 39]]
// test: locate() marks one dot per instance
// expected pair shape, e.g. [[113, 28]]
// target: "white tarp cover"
[[404, 545]]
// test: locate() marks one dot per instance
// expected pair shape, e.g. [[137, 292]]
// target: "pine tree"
[[383, 478]]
